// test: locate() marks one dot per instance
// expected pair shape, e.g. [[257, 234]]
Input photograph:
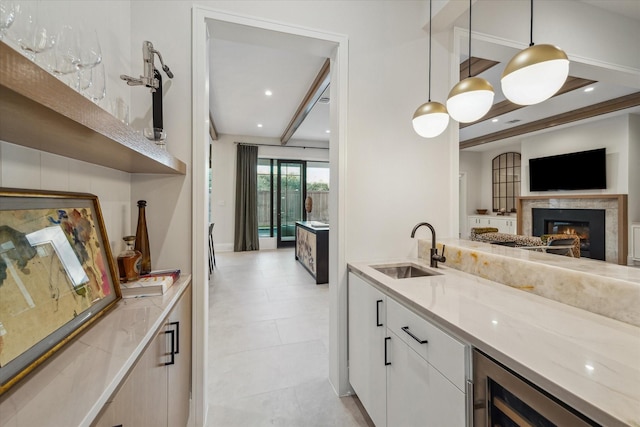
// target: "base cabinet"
[[417, 394], [157, 391], [367, 373], [416, 378], [504, 224]]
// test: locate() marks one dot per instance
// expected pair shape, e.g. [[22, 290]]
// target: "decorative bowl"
[[481, 211]]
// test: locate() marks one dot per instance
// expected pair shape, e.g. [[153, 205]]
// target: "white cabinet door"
[[367, 328], [504, 225], [417, 394], [142, 399], [179, 374], [157, 391]]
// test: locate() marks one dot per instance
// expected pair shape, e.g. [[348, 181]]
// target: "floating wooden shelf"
[[39, 111]]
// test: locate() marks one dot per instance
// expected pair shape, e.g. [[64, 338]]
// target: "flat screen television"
[[584, 170]]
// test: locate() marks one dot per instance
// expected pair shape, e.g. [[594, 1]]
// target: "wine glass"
[[8, 10], [29, 31], [97, 89], [90, 53], [83, 80], [63, 59]]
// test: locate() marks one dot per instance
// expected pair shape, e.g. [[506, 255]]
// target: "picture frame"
[[57, 275]]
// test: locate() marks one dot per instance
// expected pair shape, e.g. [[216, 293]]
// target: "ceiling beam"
[[616, 104], [318, 86], [212, 128], [507, 106], [478, 65]]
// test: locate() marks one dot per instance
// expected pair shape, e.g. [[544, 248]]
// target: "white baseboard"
[[223, 247]]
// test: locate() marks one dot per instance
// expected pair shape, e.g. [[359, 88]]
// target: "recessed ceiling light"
[[259, 125], [268, 92], [494, 120], [327, 131], [589, 89]]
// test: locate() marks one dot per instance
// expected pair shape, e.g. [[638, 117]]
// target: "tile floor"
[[268, 346]]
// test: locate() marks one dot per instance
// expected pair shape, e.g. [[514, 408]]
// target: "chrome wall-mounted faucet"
[[434, 258], [153, 80], [148, 79]]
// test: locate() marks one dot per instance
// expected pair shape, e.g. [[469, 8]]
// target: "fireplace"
[[588, 224], [614, 205]]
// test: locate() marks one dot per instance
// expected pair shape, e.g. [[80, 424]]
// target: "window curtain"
[[246, 219]]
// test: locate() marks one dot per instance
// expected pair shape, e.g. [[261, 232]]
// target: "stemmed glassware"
[[63, 59], [89, 51], [96, 91], [8, 10], [29, 31], [71, 53]]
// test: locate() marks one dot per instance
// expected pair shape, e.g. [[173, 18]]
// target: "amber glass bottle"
[[142, 239], [129, 261]]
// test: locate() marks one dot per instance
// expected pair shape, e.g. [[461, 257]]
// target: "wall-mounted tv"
[[584, 170]]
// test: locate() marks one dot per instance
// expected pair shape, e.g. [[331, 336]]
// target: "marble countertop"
[[588, 361], [73, 385], [314, 225], [582, 265]]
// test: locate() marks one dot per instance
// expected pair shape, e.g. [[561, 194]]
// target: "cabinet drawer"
[[442, 351]]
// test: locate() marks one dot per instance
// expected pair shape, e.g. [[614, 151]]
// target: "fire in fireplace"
[[588, 224], [579, 228]]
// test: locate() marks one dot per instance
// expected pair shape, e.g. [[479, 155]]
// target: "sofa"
[[546, 241]]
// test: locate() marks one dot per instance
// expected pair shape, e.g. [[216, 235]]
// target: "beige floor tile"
[[276, 408], [236, 338], [268, 346]]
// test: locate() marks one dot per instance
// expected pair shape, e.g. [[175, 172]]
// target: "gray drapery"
[[246, 218]]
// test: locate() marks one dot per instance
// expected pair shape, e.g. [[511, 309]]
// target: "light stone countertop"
[[73, 385], [549, 343], [582, 265]]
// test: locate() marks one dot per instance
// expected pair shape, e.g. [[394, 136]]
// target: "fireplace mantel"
[[615, 206]]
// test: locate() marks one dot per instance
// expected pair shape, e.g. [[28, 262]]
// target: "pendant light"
[[536, 73], [472, 97], [431, 118]]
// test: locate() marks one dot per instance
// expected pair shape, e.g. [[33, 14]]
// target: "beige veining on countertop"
[[599, 287]]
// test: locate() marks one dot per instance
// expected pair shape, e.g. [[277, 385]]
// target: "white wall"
[[611, 133], [394, 177], [634, 171], [223, 186], [26, 168], [471, 164]]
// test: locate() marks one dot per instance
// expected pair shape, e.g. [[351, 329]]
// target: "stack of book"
[[152, 284]]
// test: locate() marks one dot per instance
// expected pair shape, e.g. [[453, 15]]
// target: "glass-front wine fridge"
[[504, 399]]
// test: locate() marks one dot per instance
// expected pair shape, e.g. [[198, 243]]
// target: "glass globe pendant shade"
[[430, 119], [535, 74], [470, 99]]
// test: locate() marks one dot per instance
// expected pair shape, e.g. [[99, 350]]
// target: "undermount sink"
[[405, 271]]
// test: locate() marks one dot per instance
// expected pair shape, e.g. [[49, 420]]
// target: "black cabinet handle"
[[378, 313], [177, 325], [386, 363], [173, 348], [406, 329]]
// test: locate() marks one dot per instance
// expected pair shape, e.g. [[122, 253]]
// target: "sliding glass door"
[[290, 199]]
